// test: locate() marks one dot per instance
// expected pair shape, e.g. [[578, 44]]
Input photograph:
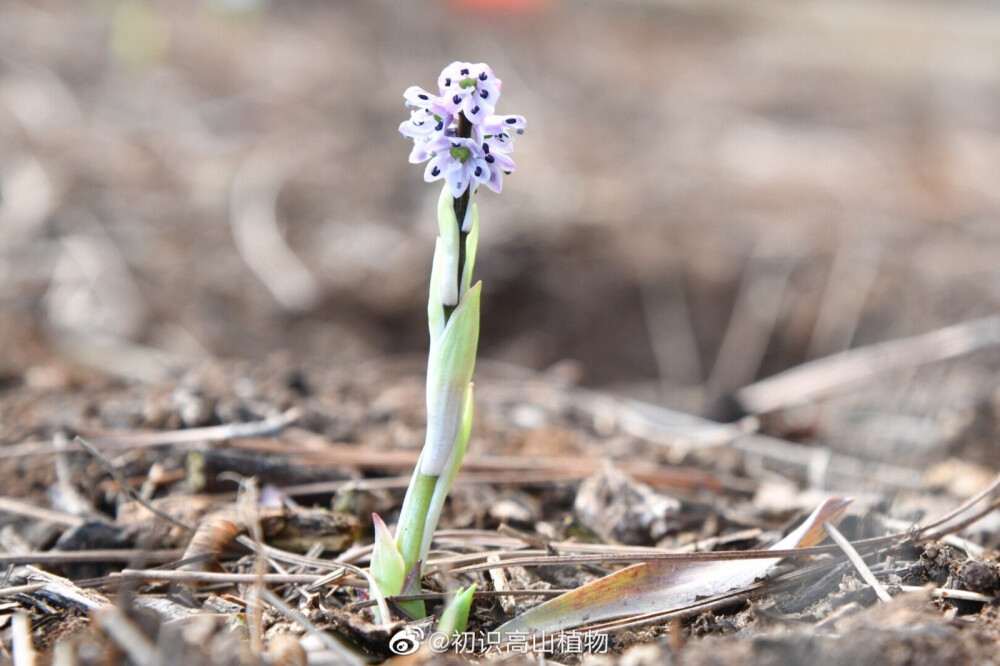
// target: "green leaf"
[[387, 565], [455, 618], [447, 478], [410, 529], [449, 371]]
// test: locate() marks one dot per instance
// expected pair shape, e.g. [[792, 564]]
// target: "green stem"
[[410, 532], [461, 206]]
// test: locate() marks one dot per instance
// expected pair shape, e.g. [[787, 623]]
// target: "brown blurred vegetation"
[[707, 193]]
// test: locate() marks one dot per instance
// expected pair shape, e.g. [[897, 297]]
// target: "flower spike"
[[456, 131]]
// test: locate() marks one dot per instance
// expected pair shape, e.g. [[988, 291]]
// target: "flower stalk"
[[466, 145]]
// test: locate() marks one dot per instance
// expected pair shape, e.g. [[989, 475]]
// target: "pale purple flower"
[[499, 165], [496, 125], [497, 136], [470, 91], [417, 97], [459, 161], [423, 126]]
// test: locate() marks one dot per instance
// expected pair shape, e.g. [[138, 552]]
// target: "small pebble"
[[193, 408]]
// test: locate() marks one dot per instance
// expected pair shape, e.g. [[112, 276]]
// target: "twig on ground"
[[972, 550], [849, 608], [67, 592], [14, 590], [751, 324], [672, 336], [534, 540], [15, 507], [851, 278], [129, 490], [344, 655], [624, 558], [248, 505], [858, 562], [808, 458], [826, 376], [97, 555], [500, 583], [125, 441], [959, 526], [653, 423], [542, 468], [435, 596], [214, 577], [964, 506], [332, 577], [942, 593], [123, 633]]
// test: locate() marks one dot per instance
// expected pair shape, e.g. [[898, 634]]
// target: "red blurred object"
[[500, 6]]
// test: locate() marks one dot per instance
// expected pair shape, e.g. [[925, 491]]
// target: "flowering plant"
[[464, 143]]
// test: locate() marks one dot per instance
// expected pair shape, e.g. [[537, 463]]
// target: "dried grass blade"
[[654, 587]]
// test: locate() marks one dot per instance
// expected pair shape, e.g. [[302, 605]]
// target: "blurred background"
[[708, 192]]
